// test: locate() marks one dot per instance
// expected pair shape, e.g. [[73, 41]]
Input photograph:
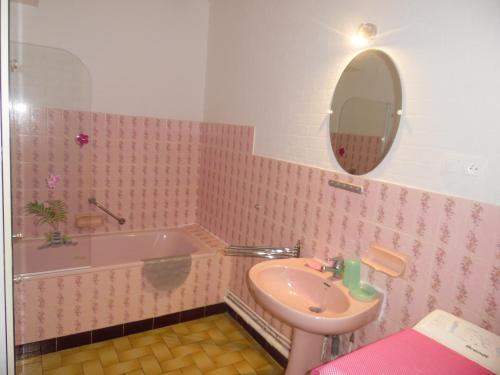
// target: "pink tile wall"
[[145, 169], [453, 243], [160, 173], [63, 304]]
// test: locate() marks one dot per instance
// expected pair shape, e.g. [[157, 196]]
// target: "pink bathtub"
[[104, 250], [111, 279]]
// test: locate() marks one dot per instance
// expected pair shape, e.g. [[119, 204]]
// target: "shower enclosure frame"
[[7, 364]]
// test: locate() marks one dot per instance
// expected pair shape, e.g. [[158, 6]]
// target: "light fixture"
[[365, 33]]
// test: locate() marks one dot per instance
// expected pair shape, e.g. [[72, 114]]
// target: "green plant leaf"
[[53, 213]]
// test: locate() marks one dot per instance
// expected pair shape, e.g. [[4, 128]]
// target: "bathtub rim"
[[102, 234], [203, 251]]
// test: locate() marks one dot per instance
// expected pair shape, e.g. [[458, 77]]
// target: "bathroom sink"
[[311, 303], [306, 299]]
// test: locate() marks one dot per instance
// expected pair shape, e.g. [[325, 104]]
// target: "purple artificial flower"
[[82, 139], [52, 181]]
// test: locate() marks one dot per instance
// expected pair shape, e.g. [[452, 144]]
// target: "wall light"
[[365, 33]]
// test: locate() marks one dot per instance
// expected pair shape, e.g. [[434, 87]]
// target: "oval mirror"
[[366, 109]]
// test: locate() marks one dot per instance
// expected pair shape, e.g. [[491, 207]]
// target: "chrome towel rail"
[[120, 220], [264, 251]]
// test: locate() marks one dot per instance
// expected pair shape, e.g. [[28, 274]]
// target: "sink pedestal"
[[309, 301], [305, 353]]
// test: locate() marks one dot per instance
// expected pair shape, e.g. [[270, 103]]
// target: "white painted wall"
[[274, 64], [144, 57]]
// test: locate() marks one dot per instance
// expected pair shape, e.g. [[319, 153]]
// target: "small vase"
[[56, 238]]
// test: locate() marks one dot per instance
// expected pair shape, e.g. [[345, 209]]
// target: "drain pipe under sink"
[[335, 347]]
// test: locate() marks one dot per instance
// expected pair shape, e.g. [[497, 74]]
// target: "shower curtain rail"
[[120, 220]]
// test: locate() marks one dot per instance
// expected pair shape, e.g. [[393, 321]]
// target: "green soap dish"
[[364, 293]]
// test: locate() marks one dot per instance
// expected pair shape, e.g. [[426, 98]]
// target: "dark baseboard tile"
[[193, 314], [278, 357], [35, 348], [72, 341], [137, 326], [167, 320], [219, 308], [107, 333]]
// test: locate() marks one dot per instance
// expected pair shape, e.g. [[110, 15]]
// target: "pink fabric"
[[408, 352]]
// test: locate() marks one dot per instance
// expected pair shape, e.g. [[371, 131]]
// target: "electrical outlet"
[[472, 169]]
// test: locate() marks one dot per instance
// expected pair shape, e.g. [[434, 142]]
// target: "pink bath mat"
[[405, 353]]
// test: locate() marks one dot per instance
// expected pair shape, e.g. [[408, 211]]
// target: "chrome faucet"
[[336, 268]]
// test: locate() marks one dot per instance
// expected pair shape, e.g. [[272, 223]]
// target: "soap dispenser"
[[352, 274], [352, 280]]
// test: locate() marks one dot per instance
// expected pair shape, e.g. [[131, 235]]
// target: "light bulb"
[[365, 33], [359, 40]]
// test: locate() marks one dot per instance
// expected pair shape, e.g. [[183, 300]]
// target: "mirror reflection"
[[366, 109]]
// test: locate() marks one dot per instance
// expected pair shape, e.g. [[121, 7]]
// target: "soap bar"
[[352, 274], [314, 264]]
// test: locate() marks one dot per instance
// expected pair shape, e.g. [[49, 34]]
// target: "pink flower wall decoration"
[[82, 139], [52, 181]]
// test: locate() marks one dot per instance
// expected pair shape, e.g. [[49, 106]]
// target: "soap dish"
[[384, 260], [89, 220], [365, 293]]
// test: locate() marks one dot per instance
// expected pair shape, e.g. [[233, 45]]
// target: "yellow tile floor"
[[214, 345]]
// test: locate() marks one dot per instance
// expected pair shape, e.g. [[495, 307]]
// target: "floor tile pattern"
[[215, 345]]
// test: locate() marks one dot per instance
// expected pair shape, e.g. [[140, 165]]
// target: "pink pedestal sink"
[[314, 305]]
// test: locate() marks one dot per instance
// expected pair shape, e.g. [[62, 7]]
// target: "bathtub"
[[103, 250], [111, 279]]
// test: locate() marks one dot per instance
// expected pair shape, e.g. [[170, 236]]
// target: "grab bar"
[[264, 251], [120, 220]]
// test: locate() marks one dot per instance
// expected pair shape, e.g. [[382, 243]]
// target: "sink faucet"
[[336, 268]]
